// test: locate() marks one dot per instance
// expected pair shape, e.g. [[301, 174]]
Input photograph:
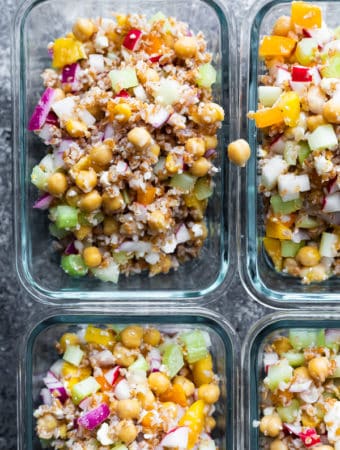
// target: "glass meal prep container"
[[36, 262], [252, 361], [258, 273], [38, 353]]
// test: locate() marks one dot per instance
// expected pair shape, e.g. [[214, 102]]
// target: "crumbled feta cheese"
[[197, 229]]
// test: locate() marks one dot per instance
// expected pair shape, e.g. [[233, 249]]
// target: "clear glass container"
[[36, 262], [258, 273], [252, 361], [38, 353]]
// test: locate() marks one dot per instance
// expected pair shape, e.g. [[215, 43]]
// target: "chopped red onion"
[[210, 152], [85, 404], [55, 386], [42, 109], [71, 249], [112, 375], [52, 119], [159, 118], [69, 73], [46, 396], [95, 417], [43, 202]]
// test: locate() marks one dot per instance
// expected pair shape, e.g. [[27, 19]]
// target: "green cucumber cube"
[[139, 364], [290, 153], [109, 273], [120, 258], [289, 249], [84, 389], [307, 222], [66, 217], [203, 188], [57, 232], [206, 75], [195, 345], [306, 50], [331, 69], [303, 338], [281, 207], [167, 92], [268, 95], [183, 182], [40, 178], [289, 413], [73, 355], [295, 359], [303, 152], [74, 265], [280, 372], [323, 137], [173, 359], [123, 78]]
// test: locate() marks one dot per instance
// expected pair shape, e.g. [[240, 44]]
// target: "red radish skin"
[[331, 203], [132, 39], [112, 375], [310, 437], [177, 437], [306, 33], [155, 59], [301, 74]]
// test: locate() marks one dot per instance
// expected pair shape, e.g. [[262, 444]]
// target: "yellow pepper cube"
[[67, 51], [273, 248], [278, 230], [99, 336], [276, 46], [267, 116], [193, 419], [306, 15], [289, 103]]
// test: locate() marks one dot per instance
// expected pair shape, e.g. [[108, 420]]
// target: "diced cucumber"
[[47, 164], [109, 273], [306, 50], [290, 153], [306, 222], [139, 364], [289, 249], [289, 413], [167, 92], [84, 389], [203, 188], [328, 245], [126, 197], [281, 207], [40, 178], [336, 373], [306, 338], [195, 345], [183, 181], [206, 75], [45, 443], [323, 137], [173, 359], [331, 69], [295, 359], [57, 232], [120, 258], [92, 444], [268, 95], [74, 265], [123, 78], [303, 152], [66, 217], [156, 17], [73, 355], [89, 219], [280, 372]]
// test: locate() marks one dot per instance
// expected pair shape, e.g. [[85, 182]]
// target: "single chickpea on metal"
[[239, 152]]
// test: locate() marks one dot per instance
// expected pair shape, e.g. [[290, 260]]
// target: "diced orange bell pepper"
[[174, 394], [104, 385], [267, 116], [67, 51], [306, 15], [99, 336], [273, 248], [150, 421], [276, 46], [193, 418], [277, 230], [289, 103], [152, 44], [146, 197]]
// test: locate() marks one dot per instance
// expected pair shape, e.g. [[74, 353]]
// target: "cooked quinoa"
[[299, 156], [135, 388], [130, 124]]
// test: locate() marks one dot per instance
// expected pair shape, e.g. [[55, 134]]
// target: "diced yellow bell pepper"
[[74, 374], [200, 206], [146, 197], [193, 418], [276, 46], [67, 51], [306, 15], [277, 230], [289, 103], [273, 248], [68, 339], [99, 336], [267, 116]]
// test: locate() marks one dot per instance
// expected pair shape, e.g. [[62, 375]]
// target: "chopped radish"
[[271, 171], [132, 39], [64, 108], [140, 93], [159, 117], [314, 71], [95, 417], [278, 145], [331, 203], [155, 359], [123, 94], [291, 185], [112, 375], [333, 186], [321, 35], [97, 63], [282, 75], [292, 429], [299, 87], [269, 94], [269, 359], [309, 437], [323, 137], [177, 437], [301, 74], [328, 245], [155, 59], [42, 109], [122, 390]]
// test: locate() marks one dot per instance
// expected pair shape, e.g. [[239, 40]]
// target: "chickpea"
[[282, 26], [271, 425], [110, 226], [57, 184], [123, 355], [132, 336], [83, 29], [187, 385], [82, 232], [209, 423], [91, 201], [315, 121], [68, 339], [282, 345], [46, 426], [147, 399], [101, 155], [200, 167], [301, 373], [210, 113], [202, 371], [173, 163], [319, 368], [122, 112], [126, 431], [76, 128], [112, 204], [195, 146], [59, 94], [209, 393], [72, 196], [186, 47], [92, 256], [331, 111], [316, 100], [158, 382], [157, 221], [278, 445], [308, 256], [128, 409], [210, 142], [139, 137], [152, 336], [86, 180], [239, 152]]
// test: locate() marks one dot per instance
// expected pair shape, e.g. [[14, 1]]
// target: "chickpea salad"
[[129, 388], [299, 156], [299, 395], [131, 131]]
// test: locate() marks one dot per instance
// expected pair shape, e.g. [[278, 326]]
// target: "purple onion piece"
[[43, 202], [71, 249], [42, 109], [69, 73], [210, 152], [95, 417]]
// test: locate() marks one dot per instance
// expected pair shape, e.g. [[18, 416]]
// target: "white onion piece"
[[46, 396], [138, 246], [158, 118], [301, 386], [182, 234], [97, 63], [64, 108], [86, 117], [122, 390], [56, 367], [178, 437]]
